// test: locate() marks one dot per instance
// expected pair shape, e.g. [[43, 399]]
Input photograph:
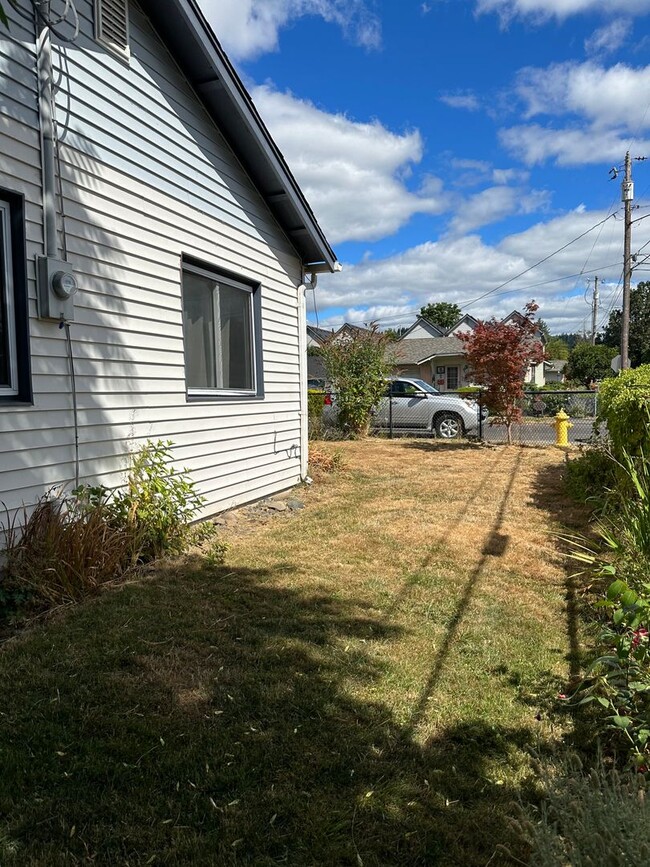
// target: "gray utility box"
[[57, 286]]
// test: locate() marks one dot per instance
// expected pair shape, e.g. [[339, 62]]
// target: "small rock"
[[294, 505], [278, 506]]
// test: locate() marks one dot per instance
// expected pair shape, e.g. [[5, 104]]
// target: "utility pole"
[[627, 196], [594, 312]]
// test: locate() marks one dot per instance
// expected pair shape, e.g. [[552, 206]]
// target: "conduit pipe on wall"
[[46, 112]]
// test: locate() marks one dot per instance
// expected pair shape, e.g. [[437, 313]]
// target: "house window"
[[14, 348], [112, 25], [452, 378], [219, 320]]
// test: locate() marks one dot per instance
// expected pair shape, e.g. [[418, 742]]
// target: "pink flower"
[[638, 635], [561, 695]]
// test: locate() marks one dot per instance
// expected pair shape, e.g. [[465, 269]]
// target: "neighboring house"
[[441, 360], [189, 240], [438, 360], [464, 325], [422, 328], [348, 331], [555, 370], [316, 337]]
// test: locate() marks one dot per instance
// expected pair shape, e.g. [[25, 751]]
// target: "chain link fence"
[[452, 415]]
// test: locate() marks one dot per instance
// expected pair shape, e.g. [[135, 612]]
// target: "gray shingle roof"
[[321, 334], [422, 348]]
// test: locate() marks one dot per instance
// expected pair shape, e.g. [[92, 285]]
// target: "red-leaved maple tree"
[[499, 355]]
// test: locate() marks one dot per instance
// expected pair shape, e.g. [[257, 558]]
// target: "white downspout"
[[302, 369]]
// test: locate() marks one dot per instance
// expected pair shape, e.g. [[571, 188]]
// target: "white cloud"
[[535, 144], [542, 10], [463, 99], [606, 96], [494, 204], [352, 173], [248, 28], [606, 107], [461, 269], [609, 38]]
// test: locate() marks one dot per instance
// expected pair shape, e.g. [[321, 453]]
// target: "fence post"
[[480, 416], [390, 414]]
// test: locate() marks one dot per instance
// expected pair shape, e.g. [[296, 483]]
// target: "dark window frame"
[[206, 395], [21, 355]]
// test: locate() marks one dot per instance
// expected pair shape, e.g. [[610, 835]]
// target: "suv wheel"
[[448, 426]]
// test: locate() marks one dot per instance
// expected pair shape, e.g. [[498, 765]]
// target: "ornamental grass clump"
[[66, 547], [63, 550]]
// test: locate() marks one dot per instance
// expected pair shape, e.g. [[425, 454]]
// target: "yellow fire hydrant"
[[562, 425]]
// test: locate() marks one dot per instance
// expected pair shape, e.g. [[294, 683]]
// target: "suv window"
[[398, 388]]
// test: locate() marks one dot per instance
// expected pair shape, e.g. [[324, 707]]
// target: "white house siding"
[[421, 329], [146, 178]]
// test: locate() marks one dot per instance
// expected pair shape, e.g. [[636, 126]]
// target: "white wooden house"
[[166, 202]]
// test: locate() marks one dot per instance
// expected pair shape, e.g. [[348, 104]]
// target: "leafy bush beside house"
[[68, 546], [357, 365], [624, 404], [589, 363]]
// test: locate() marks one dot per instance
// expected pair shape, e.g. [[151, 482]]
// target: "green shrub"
[[157, 504], [357, 365], [625, 407], [588, 818], [590, 475], [618, 679]]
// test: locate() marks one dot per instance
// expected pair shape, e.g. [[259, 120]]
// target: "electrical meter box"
[[57, 286]]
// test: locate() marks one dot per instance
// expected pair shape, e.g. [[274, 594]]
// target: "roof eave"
[[196, 49]]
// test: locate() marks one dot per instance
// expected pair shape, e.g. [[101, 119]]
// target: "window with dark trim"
[[15, 380], [221, 328]]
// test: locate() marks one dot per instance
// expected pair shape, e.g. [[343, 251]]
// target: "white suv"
[[414, 405]]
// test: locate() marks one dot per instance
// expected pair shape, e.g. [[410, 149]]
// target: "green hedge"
[[624, 404], [315, 402]]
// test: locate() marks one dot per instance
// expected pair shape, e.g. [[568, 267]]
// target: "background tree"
[[395, 333], [589, 363], [557, 348], [639, 326], [499, 356], [357, 367], [571, 338], [543, 327], [443, 314]]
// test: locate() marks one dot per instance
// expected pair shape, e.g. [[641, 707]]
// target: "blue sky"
[[448, 146]]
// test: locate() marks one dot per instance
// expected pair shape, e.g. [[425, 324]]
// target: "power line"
[[465, 305], [541, 262], [415, 311]]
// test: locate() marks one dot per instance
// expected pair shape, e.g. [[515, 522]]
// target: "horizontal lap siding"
[[146, 178]]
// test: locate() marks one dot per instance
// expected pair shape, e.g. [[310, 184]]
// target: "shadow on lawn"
[[208, 716], [550, 496]]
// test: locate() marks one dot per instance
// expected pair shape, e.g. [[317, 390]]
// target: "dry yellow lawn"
[[361, 684]]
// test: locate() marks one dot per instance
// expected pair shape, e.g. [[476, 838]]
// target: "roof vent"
[[112, 25]]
